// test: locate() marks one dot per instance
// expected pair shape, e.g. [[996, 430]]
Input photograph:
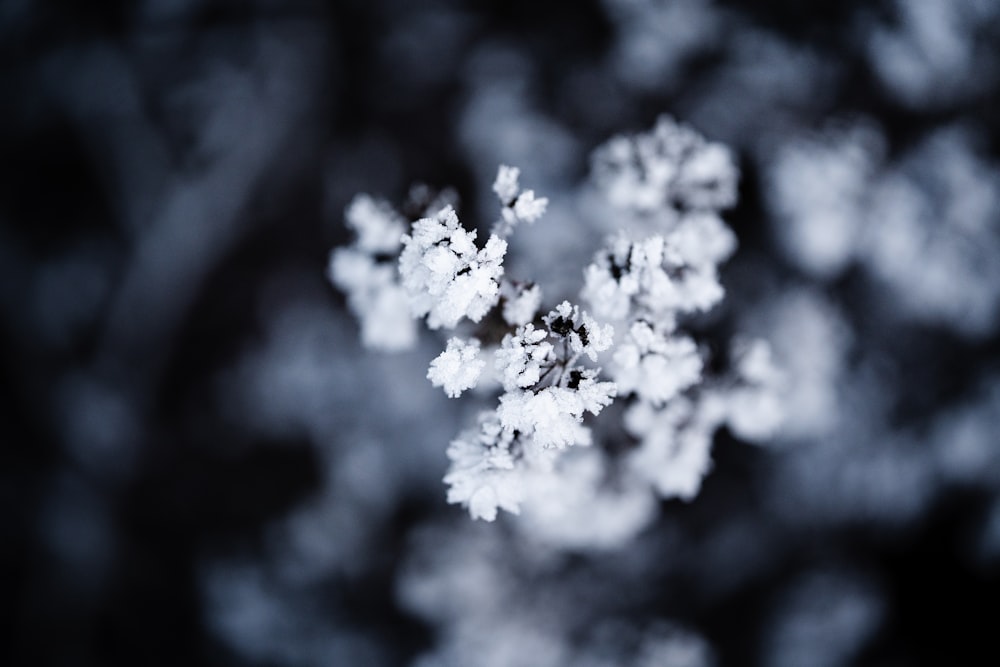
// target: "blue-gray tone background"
[[201, 466]]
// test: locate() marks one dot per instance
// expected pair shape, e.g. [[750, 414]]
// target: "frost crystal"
[[534, 450], [554, 415], [654, 366], [374, 293], [506, 185], [518, 205], [523, 356], [675, 450], [755, 406], [482, 476], [445, 275], [528, 207], [670, 168], [583, 334], [651, 278], [520, 302], [379, 228], [457, 368]]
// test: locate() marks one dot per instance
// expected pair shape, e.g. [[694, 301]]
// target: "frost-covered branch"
[[536, 448]]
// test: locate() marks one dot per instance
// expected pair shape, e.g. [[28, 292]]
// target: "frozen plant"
[[536, 448], [655, 40], [481, 591], [923, 227], [935, 53], [445, 275], [365, 272]]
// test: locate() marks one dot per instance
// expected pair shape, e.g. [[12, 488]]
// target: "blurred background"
[[202, 466]]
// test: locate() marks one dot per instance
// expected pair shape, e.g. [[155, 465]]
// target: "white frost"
[[457, 368], [445, 275]]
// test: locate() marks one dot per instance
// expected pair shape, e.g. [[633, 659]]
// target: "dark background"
[[173, 177]]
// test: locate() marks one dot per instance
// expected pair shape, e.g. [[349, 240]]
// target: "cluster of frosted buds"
[[446, 276], [546, 393], [531, 450], [648, 286], [366, 271], [671, 168], [517, 205]]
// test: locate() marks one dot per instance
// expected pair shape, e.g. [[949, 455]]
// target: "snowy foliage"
[[445, 275], [670, 170], [676, 441], [925, 227], [668, 187], [457, 368], [818, 197], [520, 302], [500, 604], [175, 363], [657, 277], [553, 416], [482, 475], [755, 411], [518, 205], [372, 285], [935, 51], [654, 365]]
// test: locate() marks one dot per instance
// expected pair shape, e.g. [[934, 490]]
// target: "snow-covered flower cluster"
[[655, 366], [536, 449], [457, 368], [445, 275], [518, 205], [366, 272], [653, 277], [482, 460], [924, 227], [669, 170], [540, 413], [936, 51], [647, 286]]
